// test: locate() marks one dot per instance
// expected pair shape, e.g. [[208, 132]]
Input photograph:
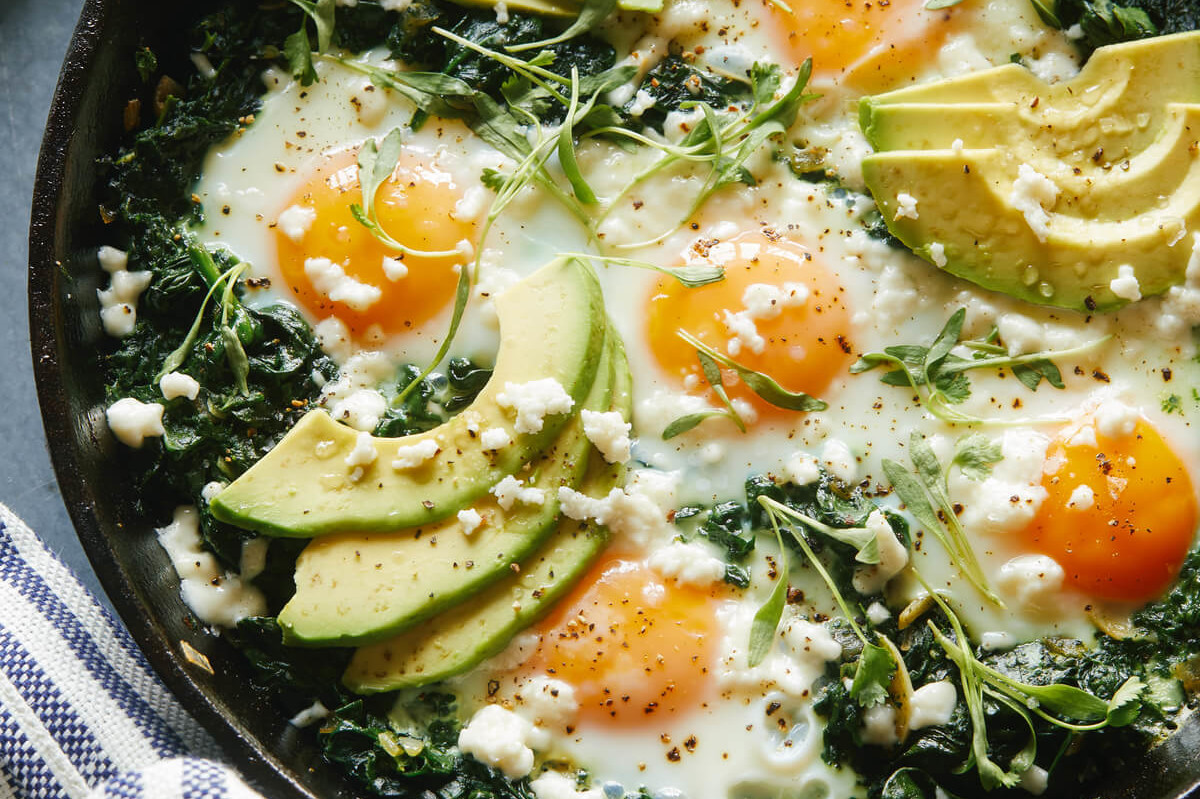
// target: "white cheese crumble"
[[495, 438], [609, 432], [413, 455], [840, 461], [118, 302], [532, 402], [643, 101], [879, 725], [1082, 498], [632, 515], [361, 409], [1125, 285], [802, 469], [1010, 497], [331, 280], [932, 704], [1115, 419], [744, 334], [893, 557], [547, 702], [906, 207], [1035, 780], [510, 491], [394, 269], [296, 220], [1034, 194], [177, 384], [210, 491], [364, 452], [1034, 582], [132, 422], [937, 254], [997, 641], [761, 301], [470, 519], [877, 613], [310, 715], [499, 738], [556, 785], [216, 597], [797, 659], [688, 564]]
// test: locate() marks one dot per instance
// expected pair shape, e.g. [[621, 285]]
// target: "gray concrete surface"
[[33, 39]]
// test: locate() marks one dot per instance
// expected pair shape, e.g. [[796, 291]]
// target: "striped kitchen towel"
[[81, 712]]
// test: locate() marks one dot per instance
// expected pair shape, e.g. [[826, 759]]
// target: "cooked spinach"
[[1104, 22]]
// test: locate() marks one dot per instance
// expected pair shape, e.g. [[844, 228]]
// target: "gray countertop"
[[33, 40]]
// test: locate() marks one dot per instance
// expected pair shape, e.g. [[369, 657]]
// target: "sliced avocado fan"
[[461, 638], [357, 588], [552, 325], [1048, 192]]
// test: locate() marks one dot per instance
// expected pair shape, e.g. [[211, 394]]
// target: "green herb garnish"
[[939, 378]]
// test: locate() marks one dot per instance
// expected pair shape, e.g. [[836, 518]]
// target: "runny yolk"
[[870, 44], [416, 207], [634, 648], [1120, 513], [778, 311]]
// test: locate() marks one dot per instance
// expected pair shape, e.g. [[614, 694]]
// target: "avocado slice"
[[986, 240], [468, 634], [357, 588], [1118, 142], [551, 326]]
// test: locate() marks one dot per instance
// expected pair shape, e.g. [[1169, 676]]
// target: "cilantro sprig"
[[939, 376]]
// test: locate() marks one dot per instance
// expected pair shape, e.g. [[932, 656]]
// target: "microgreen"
[[938, 376], [864, 542], [690, 276], [872, 675], [724, 140], [377, 162], [762, 385], [927, 498], [592, 14], [203, 263], [712, 374], [298, 47], [766, 620]]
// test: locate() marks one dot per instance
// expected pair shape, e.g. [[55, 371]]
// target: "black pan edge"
[[67, 155]]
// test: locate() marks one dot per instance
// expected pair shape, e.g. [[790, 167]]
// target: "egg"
[[641, 675]]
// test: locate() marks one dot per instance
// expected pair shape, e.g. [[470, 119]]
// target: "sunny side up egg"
[[641, 674]]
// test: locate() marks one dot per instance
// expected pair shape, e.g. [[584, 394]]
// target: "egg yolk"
[[1120, 513], [416, 207], [868, 43], [778, 311], [633, 646]]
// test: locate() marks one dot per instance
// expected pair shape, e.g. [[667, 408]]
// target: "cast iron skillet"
[[214, 685]]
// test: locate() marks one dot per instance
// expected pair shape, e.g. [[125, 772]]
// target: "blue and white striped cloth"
[[82, 715]]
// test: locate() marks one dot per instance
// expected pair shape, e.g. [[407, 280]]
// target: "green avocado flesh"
[[473, 631], [356, 588], [552, 325], [1118, 143]]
